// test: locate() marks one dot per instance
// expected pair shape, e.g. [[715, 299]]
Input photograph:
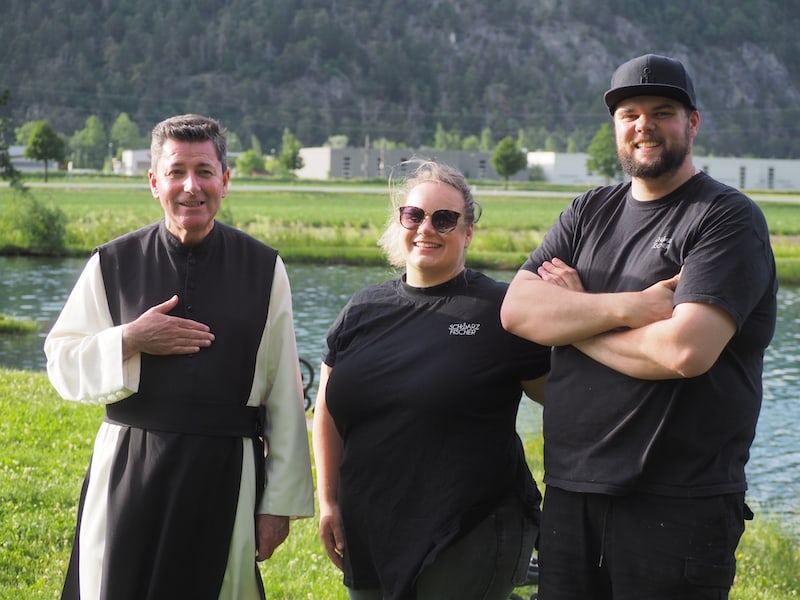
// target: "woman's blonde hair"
[[424, 171]]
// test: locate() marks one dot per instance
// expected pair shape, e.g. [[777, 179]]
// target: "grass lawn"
[[343, 227], [47, 443]]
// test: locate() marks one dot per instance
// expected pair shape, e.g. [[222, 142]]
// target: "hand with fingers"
[[157, 332]]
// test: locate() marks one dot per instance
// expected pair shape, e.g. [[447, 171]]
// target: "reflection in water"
[[36, 288], [33, 288]]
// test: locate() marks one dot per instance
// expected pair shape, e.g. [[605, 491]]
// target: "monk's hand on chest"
[[157, 332]]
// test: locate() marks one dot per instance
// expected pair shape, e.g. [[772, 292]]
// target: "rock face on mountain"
[[397, 69]]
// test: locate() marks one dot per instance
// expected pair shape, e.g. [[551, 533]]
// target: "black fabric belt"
[[213, 419], [221, 420]]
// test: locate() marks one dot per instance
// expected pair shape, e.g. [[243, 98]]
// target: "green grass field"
[[47, 444], [342, 227]]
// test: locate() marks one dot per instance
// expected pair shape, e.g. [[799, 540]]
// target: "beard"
[[672, 157]]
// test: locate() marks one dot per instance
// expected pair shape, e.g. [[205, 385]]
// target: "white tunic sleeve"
[[84, 348], [278, 386]]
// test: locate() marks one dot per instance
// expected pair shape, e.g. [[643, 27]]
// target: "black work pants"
[[638, 547]]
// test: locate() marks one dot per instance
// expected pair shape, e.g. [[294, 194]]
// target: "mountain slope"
[[386, 68]]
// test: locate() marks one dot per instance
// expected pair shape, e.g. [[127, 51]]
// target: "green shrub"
[[29, 226]]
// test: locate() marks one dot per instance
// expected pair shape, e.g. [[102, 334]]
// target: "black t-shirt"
[[424, 391], [609, 433]]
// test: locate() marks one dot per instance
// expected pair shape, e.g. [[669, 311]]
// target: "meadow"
[[334, 224], [47, 443]]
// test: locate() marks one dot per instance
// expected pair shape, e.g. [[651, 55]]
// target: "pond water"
[[36, 288]]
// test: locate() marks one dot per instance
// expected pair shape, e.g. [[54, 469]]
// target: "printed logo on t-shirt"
[[464, 328], [662, 243]]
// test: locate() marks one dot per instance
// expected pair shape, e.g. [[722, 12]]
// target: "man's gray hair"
[[189, 128]]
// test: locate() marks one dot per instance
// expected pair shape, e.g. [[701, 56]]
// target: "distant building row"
[[555, 167]]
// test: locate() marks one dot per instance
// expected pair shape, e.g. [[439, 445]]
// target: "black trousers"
[[638, 547]]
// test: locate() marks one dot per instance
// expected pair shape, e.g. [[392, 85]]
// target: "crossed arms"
[[639, 334]]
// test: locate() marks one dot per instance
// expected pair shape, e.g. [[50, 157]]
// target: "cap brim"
[[617, 95]]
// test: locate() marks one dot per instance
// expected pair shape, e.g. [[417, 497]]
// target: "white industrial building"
[[26, 165], [377, 163], [556, 167], [134, 162], [741, 173]]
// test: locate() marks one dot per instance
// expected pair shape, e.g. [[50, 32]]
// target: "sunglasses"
[[444, 221]]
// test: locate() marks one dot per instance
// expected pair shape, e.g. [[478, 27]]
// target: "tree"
[[386, 144], [255, 145], [337, 141], [234, 143], [507, 159], [487, 140], [471, 143], [250, 162], [90, 144], [290, 157], [8, 171], [446, 140], [603, 157], [125, 134], [45, 144], [23, 132], [552, 143], [522, 140]]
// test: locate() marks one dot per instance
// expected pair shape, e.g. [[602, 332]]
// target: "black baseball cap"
[[651, 75]]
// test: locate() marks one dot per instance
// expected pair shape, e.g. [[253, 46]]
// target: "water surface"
[[36, 288]]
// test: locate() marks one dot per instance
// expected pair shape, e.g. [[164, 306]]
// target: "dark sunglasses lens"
[[444, 220], [411, 217]]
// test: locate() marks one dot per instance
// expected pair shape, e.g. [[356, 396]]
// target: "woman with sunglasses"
[[423, 487]]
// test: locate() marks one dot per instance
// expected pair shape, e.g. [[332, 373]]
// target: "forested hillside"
[[396, 69]]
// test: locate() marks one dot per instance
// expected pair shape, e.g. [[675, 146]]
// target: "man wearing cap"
[[659, 298]]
